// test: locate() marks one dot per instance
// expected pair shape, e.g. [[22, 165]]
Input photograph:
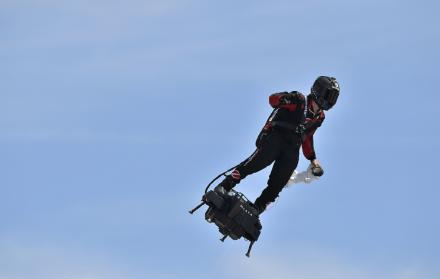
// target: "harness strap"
[[298, 129]]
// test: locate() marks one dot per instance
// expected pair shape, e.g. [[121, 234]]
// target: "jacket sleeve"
[[307, 145], [311, 124], [287, 100]]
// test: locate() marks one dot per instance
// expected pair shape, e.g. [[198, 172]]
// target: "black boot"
[[226, 185], [260, 206], [259, 211]]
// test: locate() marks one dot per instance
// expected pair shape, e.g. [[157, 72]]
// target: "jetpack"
[[233, 214]]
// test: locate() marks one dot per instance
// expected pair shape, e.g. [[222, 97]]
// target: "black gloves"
[[317, 171], [293, 97]]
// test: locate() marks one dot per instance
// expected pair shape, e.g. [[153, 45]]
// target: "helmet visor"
[[332, 97], [328, 99]]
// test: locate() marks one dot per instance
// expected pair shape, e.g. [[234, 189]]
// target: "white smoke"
[[302, 177]]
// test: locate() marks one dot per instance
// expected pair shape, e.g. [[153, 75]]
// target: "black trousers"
[[278, 147]]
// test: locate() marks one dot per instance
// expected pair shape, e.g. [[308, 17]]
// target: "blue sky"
[[114, 115]]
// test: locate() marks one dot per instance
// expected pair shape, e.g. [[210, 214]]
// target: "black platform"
[[234, 215]]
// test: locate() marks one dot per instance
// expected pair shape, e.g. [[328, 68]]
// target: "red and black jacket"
[[290, 111], [311, 123], [289, 108]]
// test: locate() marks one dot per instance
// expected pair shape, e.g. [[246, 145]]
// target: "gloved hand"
[[316, 168], [293, 97], [284, 99]]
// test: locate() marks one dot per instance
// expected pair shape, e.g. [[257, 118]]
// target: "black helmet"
[[325, 91]]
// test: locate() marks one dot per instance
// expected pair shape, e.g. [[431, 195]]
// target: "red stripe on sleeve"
[[274, 100], [307, 146]]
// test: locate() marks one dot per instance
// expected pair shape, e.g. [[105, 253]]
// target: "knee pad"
[[236, 176]]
